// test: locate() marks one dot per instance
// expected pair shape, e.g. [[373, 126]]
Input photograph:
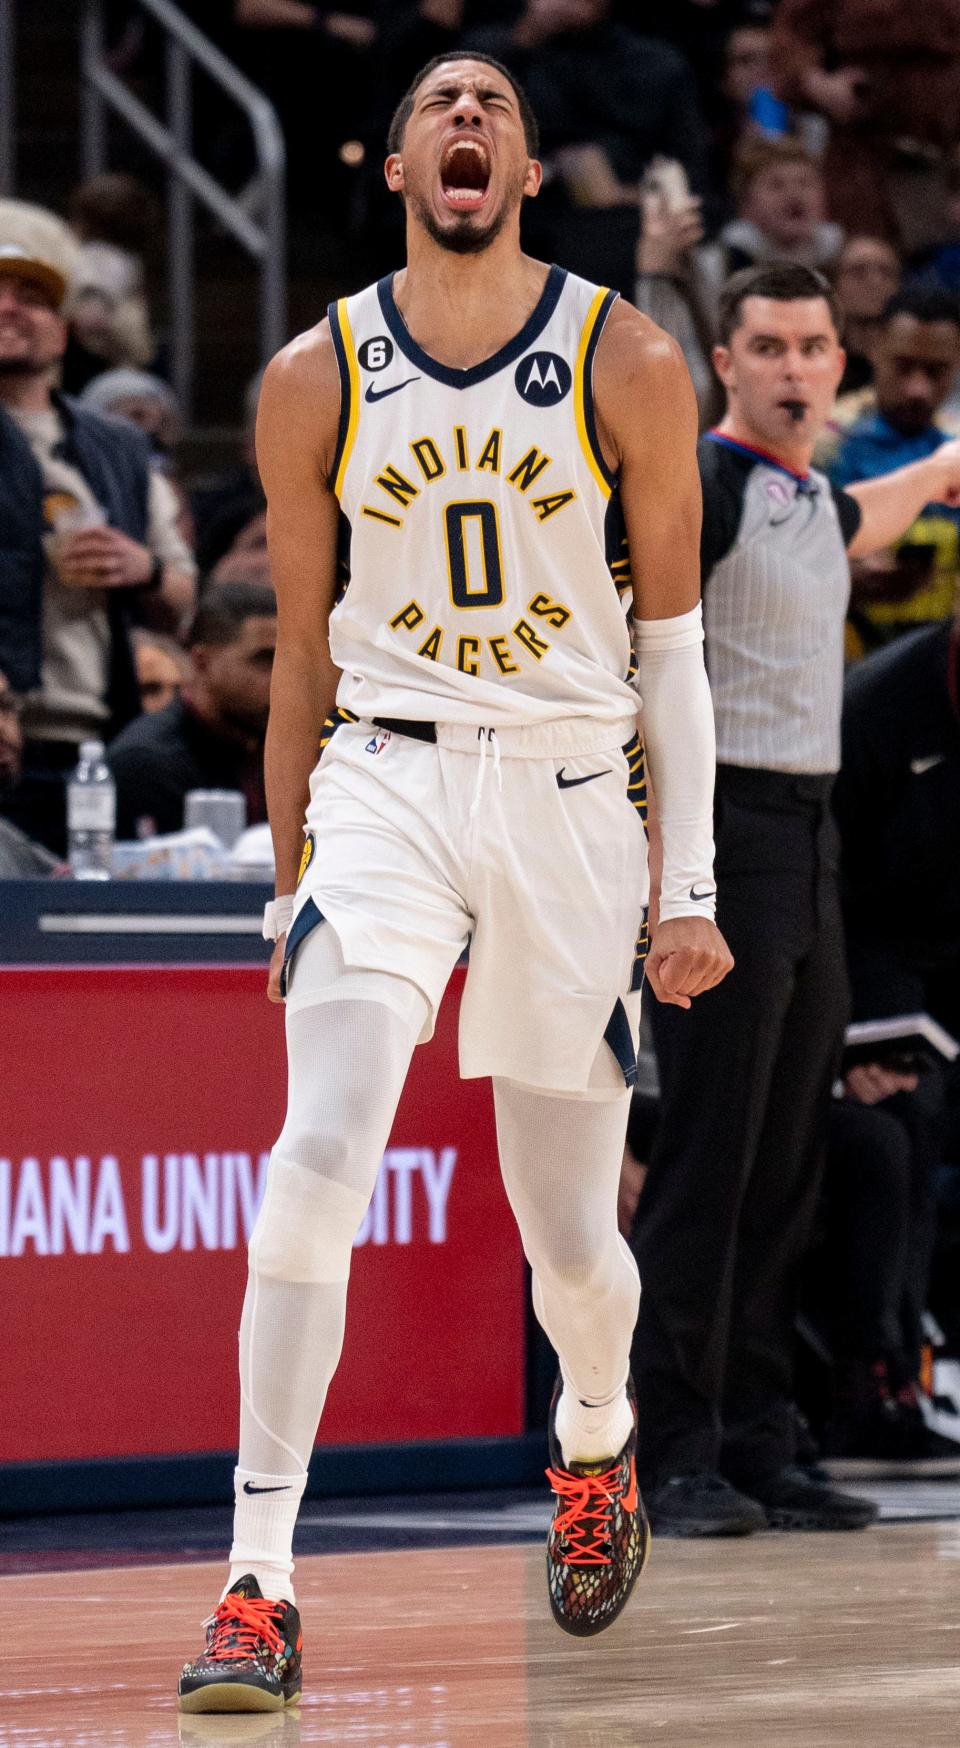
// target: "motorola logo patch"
[[542, 379], [375, 354]]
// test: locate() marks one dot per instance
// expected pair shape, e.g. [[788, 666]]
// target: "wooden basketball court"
[[825, 1641]]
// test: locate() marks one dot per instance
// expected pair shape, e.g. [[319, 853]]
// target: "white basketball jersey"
[[489, 577]]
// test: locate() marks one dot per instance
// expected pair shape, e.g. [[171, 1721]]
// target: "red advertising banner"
[[138, 1109]]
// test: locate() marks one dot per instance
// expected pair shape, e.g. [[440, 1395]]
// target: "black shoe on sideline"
[[702, 1504], [889, 1441], [792, 1501]]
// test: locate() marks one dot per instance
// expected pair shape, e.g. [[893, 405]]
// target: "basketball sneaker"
[[251, 1660], [599, 1538]]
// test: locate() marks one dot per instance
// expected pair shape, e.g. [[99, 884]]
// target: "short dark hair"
[[223, 610], [404, 109], [928, 303], [784, 282]]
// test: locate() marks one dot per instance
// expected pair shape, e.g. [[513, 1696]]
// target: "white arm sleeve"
[[681, 754]]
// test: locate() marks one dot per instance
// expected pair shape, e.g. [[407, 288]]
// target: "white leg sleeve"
[[347, 1061], [561, 1163]]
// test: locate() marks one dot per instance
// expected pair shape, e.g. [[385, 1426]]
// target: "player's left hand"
[[687, 955]]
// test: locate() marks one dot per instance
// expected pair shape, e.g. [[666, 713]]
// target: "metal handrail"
[[8, 97], [262, 236]]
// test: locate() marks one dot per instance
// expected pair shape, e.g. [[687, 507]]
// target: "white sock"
[[264, 1518], [588, 1432]]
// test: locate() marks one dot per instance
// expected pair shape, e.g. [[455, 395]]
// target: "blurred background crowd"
[[682, 140]]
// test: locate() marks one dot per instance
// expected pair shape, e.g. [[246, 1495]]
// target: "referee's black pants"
[[729, 1200]]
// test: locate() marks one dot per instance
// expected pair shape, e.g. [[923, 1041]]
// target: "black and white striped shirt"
[[776, 584]]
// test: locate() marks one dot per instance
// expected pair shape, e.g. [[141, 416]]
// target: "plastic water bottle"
[[91, 814]]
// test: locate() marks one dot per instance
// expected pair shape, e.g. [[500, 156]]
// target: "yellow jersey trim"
[[352, 386], [582, 392]]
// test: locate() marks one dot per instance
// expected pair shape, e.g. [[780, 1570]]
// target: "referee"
[[746, 1072]]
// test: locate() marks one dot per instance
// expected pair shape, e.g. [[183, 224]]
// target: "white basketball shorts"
[[526, 845]]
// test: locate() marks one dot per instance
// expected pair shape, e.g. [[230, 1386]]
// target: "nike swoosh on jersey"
[[701, 897], [248, 1487], [375, 394], [571, 782], [918, 766], [629, 1499]]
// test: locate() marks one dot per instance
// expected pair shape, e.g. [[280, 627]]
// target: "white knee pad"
[[306, 1225]]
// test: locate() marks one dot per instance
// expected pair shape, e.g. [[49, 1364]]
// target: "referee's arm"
[[890, 504]]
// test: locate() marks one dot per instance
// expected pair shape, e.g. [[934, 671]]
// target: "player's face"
[[463, 168], [782, 367]]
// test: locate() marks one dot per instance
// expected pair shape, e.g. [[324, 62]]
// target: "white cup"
[[223, 810]]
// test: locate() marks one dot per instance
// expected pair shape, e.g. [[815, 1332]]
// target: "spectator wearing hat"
[[89, 540], [146, 400]]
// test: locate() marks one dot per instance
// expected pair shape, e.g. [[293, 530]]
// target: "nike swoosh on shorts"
[[374, 394], [918, 766], [572, 782]]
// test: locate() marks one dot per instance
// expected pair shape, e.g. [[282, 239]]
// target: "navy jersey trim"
[[333, 722], [640, 952], [308, 917], [478, 372], [636, 759], [620, 1039], [343, 367], [589, 415], [617, 553]]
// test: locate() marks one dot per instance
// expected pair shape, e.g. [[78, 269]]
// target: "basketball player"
[[464, 465]]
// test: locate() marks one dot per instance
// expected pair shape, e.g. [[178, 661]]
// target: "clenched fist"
[[688, 955]]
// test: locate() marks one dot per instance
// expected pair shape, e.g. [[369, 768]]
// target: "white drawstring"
[[487, 737]]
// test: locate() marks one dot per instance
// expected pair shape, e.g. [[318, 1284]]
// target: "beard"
[[467, 236]]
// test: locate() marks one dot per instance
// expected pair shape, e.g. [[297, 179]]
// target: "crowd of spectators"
[[681, 143]]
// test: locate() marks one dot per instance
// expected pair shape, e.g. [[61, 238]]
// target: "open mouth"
[[796, 411], [465, 175]]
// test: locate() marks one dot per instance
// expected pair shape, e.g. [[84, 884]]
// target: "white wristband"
[[277, 916]]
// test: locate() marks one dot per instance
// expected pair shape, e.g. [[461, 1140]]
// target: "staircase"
[[48, 169]]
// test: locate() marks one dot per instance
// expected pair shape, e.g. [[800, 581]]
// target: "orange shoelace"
[[585, 1523], [240, 1623]]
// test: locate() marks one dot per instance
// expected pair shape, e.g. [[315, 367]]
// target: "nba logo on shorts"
[[379, 741]]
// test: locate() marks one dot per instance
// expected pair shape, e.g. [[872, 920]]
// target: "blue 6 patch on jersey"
[[543, 378]]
